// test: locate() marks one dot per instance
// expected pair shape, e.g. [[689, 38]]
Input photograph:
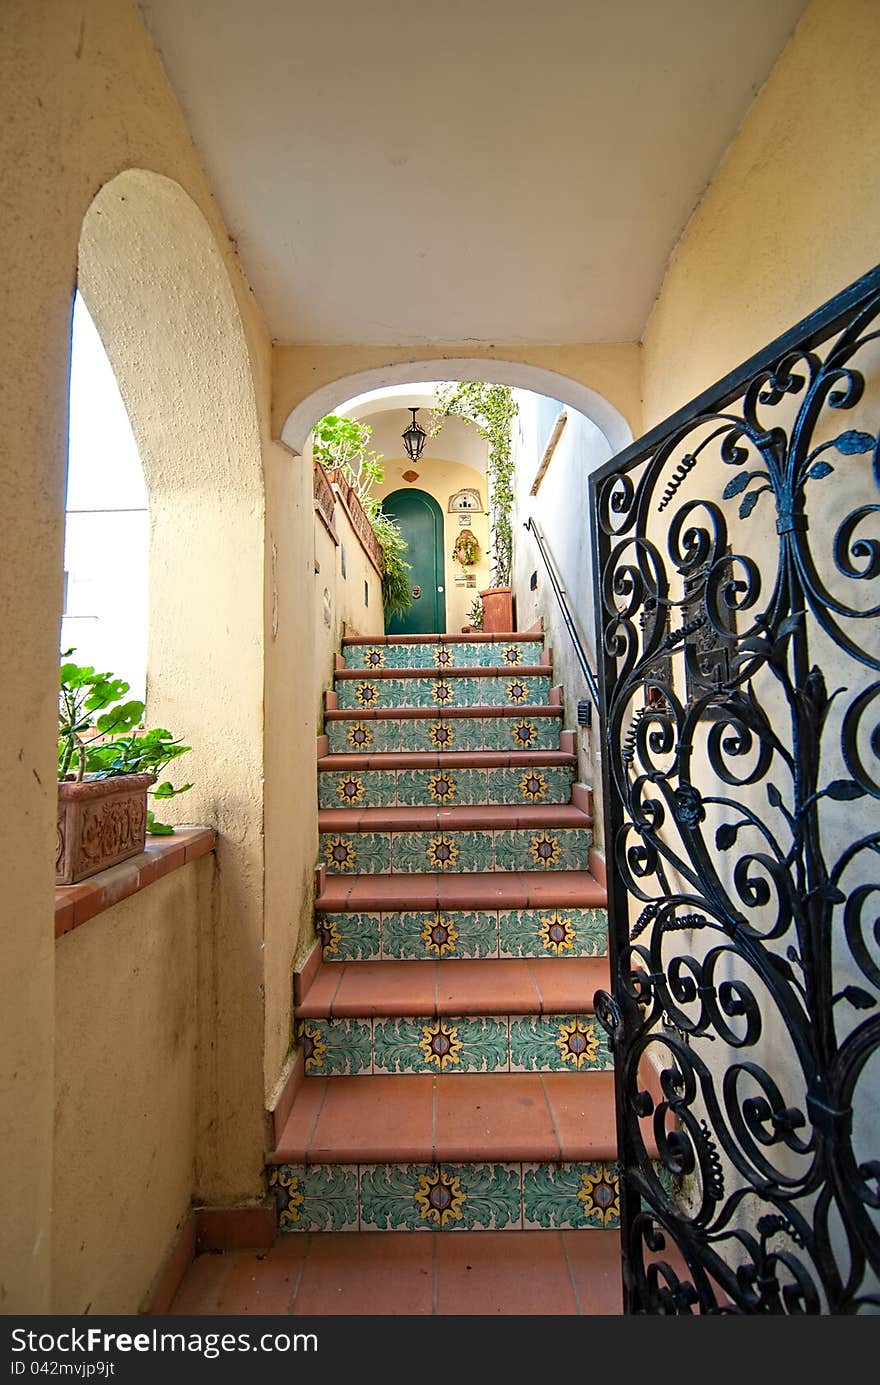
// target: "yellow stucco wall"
[[126, 1076], [792, 216]]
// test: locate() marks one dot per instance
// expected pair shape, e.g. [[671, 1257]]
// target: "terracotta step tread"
[[462, 1117], [527, 711], [474, 818], [532, 986], [552, 889], [367, 675], [449, 759], [478, 637]]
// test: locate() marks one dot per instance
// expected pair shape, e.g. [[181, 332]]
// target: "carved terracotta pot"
[[497, 611], [100, 823]]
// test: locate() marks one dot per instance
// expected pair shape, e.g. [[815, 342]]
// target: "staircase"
[[454, 1075]]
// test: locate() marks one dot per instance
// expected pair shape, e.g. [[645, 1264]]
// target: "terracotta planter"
[[497, 611], [100, 823]]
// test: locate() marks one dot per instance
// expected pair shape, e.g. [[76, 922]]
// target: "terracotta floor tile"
[[481, 988], [370, 1120], [501, 1116], [499, 1272], [484, 890], [554, 888], [386, 988], [265, 1281], [594, 1260], [387, 893], [582, 1104], [362, 1273], [319, 996], [567, 984], [300, 1124], [202, 1289]]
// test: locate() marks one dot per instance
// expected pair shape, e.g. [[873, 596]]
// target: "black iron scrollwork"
[[737, 552]]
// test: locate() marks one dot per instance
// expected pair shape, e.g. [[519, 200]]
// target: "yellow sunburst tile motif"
[[350, 789], [439, 936], [313, 1045], [545, 850], [557, 933], [533, 786], [578, 1042], [359, 736], [292, 1195], [523, 733], [440, 1045], [441, 736], [517, 691], [440, 1197], [443, 657], [442, 852], [441, 692], [339, 853], [442, 787], [374, 658], [512, 655], [600, 1196], [330, 937], [366, 694]]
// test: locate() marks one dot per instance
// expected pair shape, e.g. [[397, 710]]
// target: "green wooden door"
[[421, 523]]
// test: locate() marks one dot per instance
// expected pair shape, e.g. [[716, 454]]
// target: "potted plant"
[[491, 408], [107, 764]]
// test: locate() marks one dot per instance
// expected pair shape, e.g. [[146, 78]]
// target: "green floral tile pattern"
[[441, 691], [445, 1197], [441, 788], [570, 1196], [551, 784], [368, 737], [543, 849], [350, 937], [553, 933], [440, 1045], [441, 851], [315, 1197], [521, 733], [434, 936], [356, 789], [461, 653], [557, 1043], [336, 1048], [356, 853]]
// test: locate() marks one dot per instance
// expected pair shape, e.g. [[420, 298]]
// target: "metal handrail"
[[589, 675]]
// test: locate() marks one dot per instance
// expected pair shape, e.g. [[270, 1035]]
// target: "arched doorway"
[[421, 523]]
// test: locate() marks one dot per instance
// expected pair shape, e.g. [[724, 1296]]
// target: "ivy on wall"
[[491, 409]]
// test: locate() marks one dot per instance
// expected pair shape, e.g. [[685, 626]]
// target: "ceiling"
[[398, 171]]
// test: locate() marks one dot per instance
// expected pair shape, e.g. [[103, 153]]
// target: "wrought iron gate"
[[738, 592]]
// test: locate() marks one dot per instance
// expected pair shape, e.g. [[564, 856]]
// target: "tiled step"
[[434, 1118], [450, 934], [423, 729], [442, 652], [438, 688], [501, 890], [366, 1018], [399, 841], [456, 779]]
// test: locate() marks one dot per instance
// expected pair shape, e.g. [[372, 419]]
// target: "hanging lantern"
[[414, 438]]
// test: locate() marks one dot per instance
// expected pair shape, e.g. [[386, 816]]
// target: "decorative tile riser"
[[356, 694], [431, 936], [445, 1197], [496, 1043], [443, 733], [401, 853], [443, 788], [440, 656]]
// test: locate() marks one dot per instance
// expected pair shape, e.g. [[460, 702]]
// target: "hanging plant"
[[491, 408], [466, 550]]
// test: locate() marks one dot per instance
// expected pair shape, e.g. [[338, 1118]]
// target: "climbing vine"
[[491, 408]]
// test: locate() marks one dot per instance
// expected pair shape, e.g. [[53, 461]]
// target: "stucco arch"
[[519, 374], [154, 281]]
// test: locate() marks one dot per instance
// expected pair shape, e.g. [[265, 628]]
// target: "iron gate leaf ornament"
[[738, 642]]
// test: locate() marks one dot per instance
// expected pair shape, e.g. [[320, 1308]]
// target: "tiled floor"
[[483, 1273]]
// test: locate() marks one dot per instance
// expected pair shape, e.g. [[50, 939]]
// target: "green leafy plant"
[[101, 734], [343, 444], [491, 408], [475, 614]]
